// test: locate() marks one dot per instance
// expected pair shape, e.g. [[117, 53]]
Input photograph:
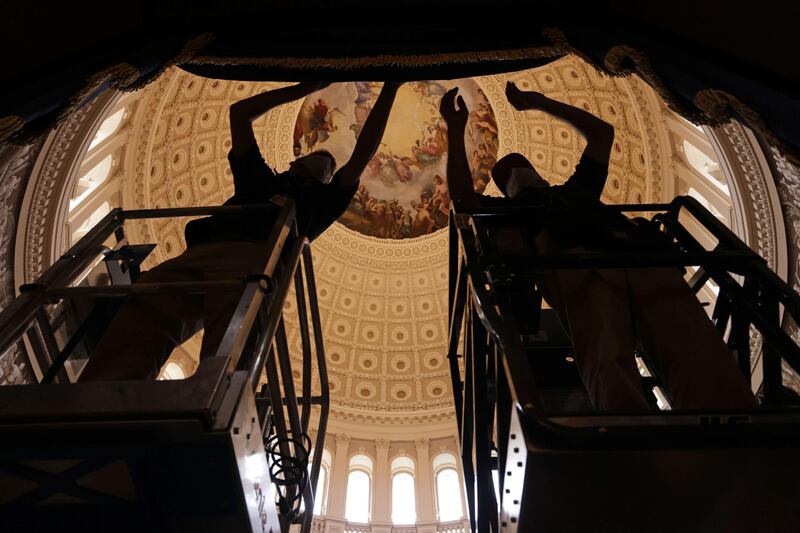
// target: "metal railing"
[[255, 341], [493, 377]]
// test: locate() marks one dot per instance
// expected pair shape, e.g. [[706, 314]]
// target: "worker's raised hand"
[[311, 86], [522, 100], [392, 85], [454, 117]]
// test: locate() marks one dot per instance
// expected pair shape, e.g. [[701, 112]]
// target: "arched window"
[[404, 506], [448, 487], [172, 370], [321, 491], [359, 495]]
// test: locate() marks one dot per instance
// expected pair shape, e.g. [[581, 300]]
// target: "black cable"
[[289, 472]]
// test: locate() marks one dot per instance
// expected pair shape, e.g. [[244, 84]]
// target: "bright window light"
[[694, 193], [319, 494], [358, 497], [91, 181], [705, 166], [108, 127], [172, 371], [404, 508], [448, 494], [89, 223]]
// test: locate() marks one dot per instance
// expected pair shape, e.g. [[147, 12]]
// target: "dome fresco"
[[403, 192]]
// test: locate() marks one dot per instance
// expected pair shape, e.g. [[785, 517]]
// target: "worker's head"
[[319, 166], [513, 173]]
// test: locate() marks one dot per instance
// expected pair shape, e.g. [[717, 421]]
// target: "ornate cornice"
[[392, 418], [654, 139], [16, 163], [788, 183], [753, 190], [754, 182]]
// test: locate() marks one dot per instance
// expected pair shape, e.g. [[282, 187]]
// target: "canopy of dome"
[[382, 272]]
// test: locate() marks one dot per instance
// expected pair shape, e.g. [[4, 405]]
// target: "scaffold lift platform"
[[209, 453], [538, 458]]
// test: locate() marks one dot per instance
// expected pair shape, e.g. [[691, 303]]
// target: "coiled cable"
[[288, 469]]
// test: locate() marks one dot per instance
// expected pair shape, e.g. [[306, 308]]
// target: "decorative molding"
[[655, 139], [756, 204], [751, 176], [399, 419], [16, 164], [788, 183]]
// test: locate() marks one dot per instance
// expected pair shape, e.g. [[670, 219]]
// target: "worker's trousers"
[[607, 309], [146, 329]]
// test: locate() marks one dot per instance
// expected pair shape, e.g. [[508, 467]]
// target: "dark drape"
[[415, 41]]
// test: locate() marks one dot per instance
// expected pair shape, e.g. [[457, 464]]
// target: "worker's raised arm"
[[592, 171], [369, 139], [459, 177], [244, 112], [599, 134]]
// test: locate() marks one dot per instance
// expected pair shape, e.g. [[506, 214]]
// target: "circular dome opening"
[[403, 192]]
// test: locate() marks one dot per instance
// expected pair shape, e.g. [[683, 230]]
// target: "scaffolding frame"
[[500, 418], [254, 346]]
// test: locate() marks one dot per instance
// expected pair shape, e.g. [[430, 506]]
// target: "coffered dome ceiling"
[[382, 288]]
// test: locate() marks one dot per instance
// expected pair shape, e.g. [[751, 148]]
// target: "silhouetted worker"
[[605, 309], [223, 247]]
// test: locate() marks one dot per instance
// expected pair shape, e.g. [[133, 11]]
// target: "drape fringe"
[[712, 107], [122, 76], [383, 60]]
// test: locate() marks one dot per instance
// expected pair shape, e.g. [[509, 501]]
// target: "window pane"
[[404, 463], [705, 166], [319, 494], [404, 508], [448, 494], [357, 508], [444, 459], [108, 127], [91, 181], [172, 371], [694, 193], [89, 223]]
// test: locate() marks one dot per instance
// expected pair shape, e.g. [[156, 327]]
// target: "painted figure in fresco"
[[229, 246], [365, 94], [314, 125], [423, 222], [429, 152], [441, 192], [429, 89], [604, 307]]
